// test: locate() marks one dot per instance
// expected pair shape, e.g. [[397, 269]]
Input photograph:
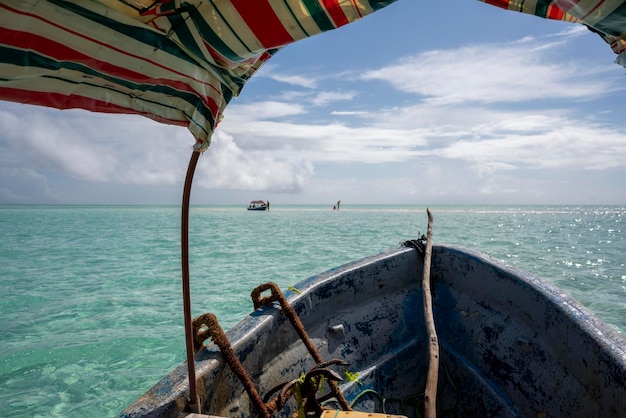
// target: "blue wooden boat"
[[511, 345]]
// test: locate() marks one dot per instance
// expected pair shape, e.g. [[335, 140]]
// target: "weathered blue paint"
[[511, 345]]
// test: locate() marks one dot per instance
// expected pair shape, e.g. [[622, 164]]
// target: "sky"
[[423, 102]]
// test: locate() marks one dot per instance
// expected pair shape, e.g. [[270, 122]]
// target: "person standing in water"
[[338, 204]]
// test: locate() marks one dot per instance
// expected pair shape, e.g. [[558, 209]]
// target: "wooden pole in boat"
[[184, 243], [430, 394]]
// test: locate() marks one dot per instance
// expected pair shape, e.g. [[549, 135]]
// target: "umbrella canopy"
[[605, 17], [176, 61], [181, 61]]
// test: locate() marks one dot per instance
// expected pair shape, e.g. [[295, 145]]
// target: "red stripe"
[[566, 5], [225, 62], [60, 52], [499, 3], [113, 48], [64, 102], [261, 19], [219, 58], [335, 12], [592, 10], [356, 7], [555, 13]]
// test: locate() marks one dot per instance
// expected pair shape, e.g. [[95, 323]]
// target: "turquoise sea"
[[90, 296]]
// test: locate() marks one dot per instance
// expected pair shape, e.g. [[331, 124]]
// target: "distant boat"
[[257, 205], [510, 345]]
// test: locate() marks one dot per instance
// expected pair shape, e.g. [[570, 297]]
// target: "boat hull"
[[510, 344]]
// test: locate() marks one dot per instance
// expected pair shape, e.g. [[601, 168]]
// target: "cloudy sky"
[[421, 103]]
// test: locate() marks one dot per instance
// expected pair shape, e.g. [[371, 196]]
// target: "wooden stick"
[[430, 395]]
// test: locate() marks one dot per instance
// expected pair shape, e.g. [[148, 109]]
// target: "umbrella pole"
[[184, 242]]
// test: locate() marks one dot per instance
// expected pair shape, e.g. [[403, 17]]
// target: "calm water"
[[90, 309]]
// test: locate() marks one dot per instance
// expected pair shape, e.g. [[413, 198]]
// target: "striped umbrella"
[[181, 61], [605, 17], [175, 61]]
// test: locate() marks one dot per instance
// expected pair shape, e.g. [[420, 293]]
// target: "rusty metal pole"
[[184, 243]]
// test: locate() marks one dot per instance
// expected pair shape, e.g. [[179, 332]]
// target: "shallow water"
[[90, 309]]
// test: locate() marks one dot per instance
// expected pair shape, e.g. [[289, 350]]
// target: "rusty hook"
[[206, 326], [278, 296]]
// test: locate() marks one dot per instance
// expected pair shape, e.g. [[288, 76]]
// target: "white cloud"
[[349, 113], [326, 97], [294, 80], [227, 166], [292, 96], [552, 144], [95, 147], [56, 143], [261, 110], [493, 73], [458, 117], [332, 142]]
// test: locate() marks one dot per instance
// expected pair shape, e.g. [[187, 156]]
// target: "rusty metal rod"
[[184, 243], [206, 326]]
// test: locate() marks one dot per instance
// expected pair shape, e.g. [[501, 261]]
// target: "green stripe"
[[185, 35], [296, 19], [179, 26], [32, 59], [617, 19], [206, 26], [379, 4], [207, 33], [167, 6], [319, 15], [541, 9], [141, 35]]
